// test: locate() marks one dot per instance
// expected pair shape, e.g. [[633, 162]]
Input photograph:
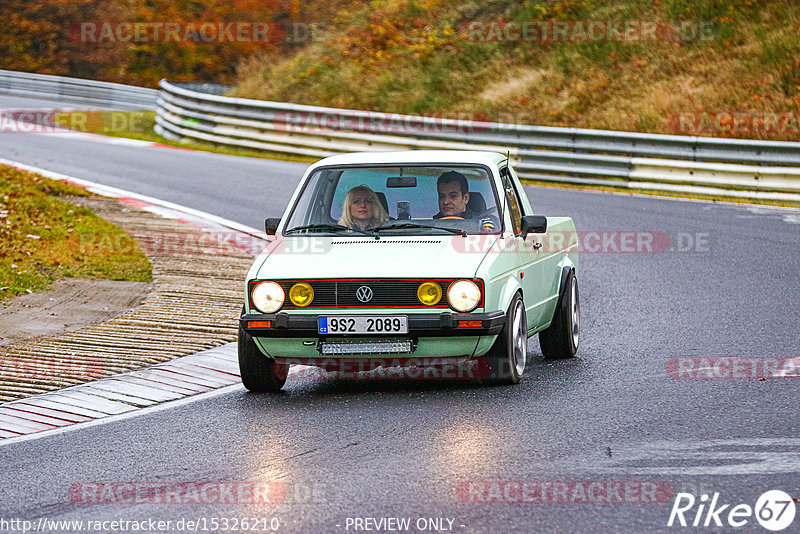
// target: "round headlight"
[[429, 293], [268, 297], [463, 295], [301, 294]]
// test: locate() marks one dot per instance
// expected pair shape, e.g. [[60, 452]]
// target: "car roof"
[[414, 156]]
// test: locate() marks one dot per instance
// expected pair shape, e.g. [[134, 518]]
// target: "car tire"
[[560, 339], [508, 355], [259, 373]]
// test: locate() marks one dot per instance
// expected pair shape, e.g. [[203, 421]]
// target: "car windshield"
[[396, 200]]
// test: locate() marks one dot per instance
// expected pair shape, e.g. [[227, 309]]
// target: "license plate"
[[363, 324]]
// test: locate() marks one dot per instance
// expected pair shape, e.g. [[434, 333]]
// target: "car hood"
[[390, 257]]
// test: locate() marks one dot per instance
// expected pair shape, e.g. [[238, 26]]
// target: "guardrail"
[[77, 90], [732, 167], [735, 167]]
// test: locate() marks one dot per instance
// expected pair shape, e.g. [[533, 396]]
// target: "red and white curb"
[[183, 377], [120, 395]]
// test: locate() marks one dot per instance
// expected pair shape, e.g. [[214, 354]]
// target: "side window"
[[525, 205], [512, 200]]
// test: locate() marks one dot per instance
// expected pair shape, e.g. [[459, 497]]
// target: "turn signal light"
[[470, 324], [259, 324]]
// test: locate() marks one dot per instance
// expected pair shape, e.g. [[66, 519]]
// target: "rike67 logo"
[[774, 510]]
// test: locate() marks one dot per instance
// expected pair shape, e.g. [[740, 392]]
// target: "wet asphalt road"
[[349, 449]]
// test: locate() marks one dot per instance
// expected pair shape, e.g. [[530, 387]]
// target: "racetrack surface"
[[389, 448]]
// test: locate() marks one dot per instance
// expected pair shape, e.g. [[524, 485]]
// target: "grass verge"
[[42, 237], [722, 68]]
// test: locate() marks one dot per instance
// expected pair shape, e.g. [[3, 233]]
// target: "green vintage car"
[[412, 259]]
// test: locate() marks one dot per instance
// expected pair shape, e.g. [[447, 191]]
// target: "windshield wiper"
[[400, 226], [328, 228]]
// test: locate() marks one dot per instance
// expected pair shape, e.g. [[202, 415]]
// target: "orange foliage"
[[46, 36]]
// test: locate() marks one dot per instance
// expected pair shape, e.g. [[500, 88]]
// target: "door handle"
[[537, 246]]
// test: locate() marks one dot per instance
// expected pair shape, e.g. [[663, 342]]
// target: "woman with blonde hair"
[[362, 209]]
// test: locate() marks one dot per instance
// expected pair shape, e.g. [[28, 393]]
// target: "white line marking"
[[790, 368], [714, 457], [791, 217], [114, 192]]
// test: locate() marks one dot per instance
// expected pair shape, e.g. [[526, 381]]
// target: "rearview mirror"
[[401, 181], [271, 225], [535, 224]]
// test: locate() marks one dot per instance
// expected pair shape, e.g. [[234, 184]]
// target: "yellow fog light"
[[429, 293], [301, 294]]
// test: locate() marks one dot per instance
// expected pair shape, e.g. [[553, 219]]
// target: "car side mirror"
[[536, 224], [271, 225]]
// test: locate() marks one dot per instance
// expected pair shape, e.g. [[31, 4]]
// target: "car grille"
[[386, 293]]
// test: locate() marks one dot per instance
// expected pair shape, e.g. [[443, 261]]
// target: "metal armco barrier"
[[77, 90], [731, 167], [734, 167]]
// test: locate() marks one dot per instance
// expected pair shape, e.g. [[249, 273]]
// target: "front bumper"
[[287, 325]]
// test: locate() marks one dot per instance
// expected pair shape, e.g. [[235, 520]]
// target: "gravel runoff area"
[[194, 305]]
